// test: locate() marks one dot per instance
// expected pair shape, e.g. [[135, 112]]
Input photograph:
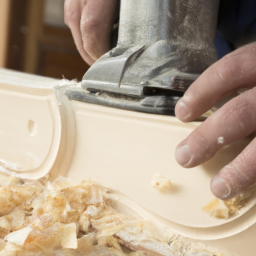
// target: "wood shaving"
[[56, 218], [161, 183], [226, 209]]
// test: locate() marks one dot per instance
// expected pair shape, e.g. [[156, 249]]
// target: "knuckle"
[[233, 176], [243, 105], [237, 66], [239, 114], [246, 105], [68, 18], [71, 13], [229, 69], [239, 174], [202, 146], [89, 27], [90, 31], [80, 48]]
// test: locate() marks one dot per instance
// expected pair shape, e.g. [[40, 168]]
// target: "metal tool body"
[[163, 46]]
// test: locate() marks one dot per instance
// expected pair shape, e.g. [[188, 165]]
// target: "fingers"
[[234, 71], [72, 11], [97, 20], [235, 120], [237, 176]]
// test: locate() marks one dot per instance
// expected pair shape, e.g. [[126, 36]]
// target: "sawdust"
[[56, 218], [226, 209], [161, 183]]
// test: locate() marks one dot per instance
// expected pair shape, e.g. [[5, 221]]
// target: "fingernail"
[[220, 188], [183, 155], [182, 111]]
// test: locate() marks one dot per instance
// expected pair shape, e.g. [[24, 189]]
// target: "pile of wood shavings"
[[225, 209], [44, 218]]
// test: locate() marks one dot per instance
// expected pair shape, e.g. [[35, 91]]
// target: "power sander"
[[163, 46]]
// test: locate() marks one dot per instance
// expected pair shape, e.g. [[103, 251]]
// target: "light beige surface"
[[34, 123], [35, 127], [4, 17], [122, 150]]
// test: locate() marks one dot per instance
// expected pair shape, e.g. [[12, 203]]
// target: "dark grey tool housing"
[[163, 46]]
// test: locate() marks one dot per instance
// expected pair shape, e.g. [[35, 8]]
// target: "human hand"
[[235, 120], [91, 23]]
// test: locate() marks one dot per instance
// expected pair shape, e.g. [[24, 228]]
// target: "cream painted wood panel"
[[4, 18], [42, 132]]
